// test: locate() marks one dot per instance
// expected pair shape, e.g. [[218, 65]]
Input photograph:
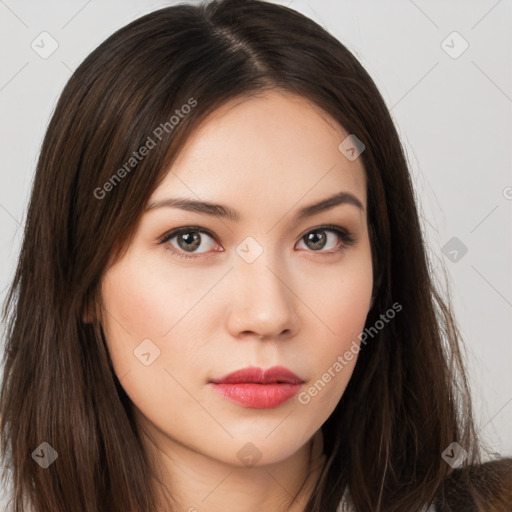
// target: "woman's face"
[[269, 288]]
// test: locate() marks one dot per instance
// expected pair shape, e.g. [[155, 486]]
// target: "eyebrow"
[[218, 210]]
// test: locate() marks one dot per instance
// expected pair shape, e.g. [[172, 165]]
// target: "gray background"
[[453, 114]]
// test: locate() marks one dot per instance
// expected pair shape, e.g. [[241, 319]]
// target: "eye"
[[188, 239], [316, 239]]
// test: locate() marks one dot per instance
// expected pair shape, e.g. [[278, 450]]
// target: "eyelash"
[[347, 238]]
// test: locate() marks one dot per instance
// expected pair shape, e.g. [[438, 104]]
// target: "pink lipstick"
[[257, 388]]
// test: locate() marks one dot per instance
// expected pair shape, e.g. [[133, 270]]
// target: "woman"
[[222, 300]]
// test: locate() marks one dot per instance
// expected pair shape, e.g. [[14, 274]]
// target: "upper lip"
[[256, 375]]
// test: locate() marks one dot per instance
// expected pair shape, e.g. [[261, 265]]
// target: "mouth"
[[256, 388]]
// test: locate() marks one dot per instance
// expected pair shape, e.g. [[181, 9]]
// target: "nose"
[[263, 304]]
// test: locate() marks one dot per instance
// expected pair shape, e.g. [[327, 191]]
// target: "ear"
[[87, 316], [89, 310], [376, 288]]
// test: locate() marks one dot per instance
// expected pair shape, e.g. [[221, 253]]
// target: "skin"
[[296, 305]]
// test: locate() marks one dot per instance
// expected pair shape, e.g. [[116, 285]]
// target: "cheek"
[[342, 300], [136, 308], [154, 322], [342, 306], [144, 335], [143, 298]]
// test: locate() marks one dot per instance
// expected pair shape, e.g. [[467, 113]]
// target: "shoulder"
[[478, 487], [483, 487]]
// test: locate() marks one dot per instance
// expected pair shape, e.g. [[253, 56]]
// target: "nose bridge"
[[262, 302]]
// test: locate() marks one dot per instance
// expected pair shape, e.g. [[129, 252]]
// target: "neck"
[[197, 482]]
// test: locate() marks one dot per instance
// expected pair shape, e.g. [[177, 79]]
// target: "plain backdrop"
[[444, 69]]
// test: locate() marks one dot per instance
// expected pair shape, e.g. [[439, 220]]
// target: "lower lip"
[[258, 396]]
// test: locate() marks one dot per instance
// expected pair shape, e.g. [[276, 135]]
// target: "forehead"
[[273, 149]]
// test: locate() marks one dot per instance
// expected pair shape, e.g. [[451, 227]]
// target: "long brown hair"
[[407, 400]]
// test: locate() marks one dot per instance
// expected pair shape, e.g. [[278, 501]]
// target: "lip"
[[257, 388]]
